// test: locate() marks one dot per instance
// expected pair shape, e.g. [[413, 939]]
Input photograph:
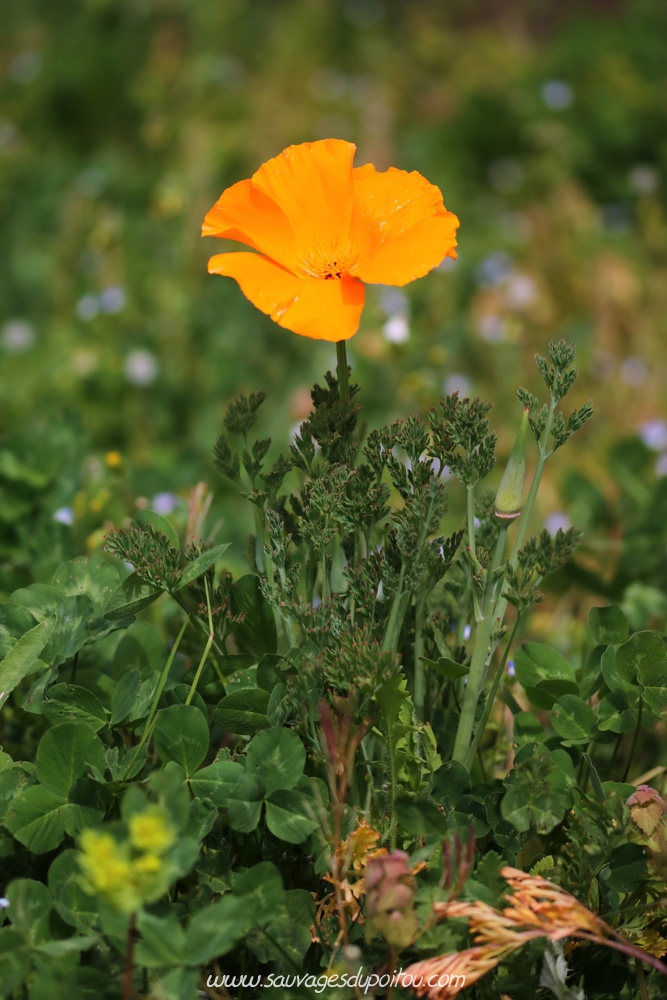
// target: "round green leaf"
[[419, 815], [640, 654], [535, 662], [24, 656], [70, 703], [181, 734], [615, 714], [528, 729], [244, 803], [36, 818], [544, 694], [216, 781], [608, 624], [162, 941], [572, 718], [450, 783], [15, 621], [65, 754], [214, 930], [278, 756], [125, 696], [626, 871], [652, 671], [539, 789], [74, 905], [29, 902], [261, 888], [243, 712], [287, 816], [95, 577], [447, 667]]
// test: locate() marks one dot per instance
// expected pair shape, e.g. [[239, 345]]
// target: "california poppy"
[[323, 227]]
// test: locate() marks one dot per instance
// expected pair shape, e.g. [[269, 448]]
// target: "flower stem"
[[544, 453], [486, 619], [148, 727], [491, 698], [207, 647], [341, 370]]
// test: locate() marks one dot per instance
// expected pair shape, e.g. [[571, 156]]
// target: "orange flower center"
[[329, 263]]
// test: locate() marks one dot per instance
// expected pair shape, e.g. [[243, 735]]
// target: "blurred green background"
[[121, 121]]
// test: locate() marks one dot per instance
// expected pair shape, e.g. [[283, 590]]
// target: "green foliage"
[[185, 781], [462, 440], [222, 726]]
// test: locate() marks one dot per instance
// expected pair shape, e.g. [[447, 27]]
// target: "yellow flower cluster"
[[150, 831], [126, 873]]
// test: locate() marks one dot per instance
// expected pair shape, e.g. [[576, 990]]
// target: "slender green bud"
[[509, 498]]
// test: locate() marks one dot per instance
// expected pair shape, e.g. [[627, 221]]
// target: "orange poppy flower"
[[323, 227]]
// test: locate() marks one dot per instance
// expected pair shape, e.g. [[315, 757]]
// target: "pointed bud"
[[509, 498]]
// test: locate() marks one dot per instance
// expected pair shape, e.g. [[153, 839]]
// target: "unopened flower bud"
[[509, 498], [390, 899]]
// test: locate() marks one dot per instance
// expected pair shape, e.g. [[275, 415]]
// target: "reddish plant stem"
[[128, 992]]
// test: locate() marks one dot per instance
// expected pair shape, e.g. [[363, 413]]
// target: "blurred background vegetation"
[[121, 121]]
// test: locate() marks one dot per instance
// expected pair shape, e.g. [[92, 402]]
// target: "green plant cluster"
[[174, 812]]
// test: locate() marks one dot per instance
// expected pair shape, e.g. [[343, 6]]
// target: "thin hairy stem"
[[341, 371]]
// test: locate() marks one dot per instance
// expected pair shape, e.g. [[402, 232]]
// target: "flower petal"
[[246, 214], [312, 184], [401, 219], [313, 307]]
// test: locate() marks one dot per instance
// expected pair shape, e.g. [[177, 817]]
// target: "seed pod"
[[509, 498]]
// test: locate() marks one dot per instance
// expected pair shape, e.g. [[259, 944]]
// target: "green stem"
[[310, 577], [156, 697], [341, 371], [324, 589], [394, 791], [496, 612], [419, 654], [207, 647], [634, 740], [481, 655], [491, 698], [395, 619], [496, 561], [624, 947], [545, 452], [613, 756], [260, 540], [197, 621], [470, 509]]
